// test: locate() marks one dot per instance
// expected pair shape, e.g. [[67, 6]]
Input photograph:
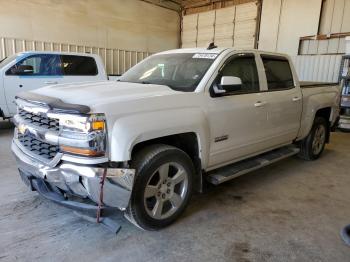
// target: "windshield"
[[181, 72], [7, 60]]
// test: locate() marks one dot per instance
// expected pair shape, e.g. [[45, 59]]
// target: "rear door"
[[284, 100], [77, 68], [42, 70]]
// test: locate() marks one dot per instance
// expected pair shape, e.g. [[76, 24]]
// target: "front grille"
[[39, 120], [38, 147]]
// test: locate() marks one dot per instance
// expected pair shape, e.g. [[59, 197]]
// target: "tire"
[[162, 187], [313, 145]]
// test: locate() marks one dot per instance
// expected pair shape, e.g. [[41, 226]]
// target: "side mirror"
[[23, 70], [228, 84]]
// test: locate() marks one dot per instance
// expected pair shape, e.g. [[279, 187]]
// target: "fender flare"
[[131, 130]]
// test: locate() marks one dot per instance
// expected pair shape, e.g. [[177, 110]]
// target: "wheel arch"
[[187, 142], [325, 112]]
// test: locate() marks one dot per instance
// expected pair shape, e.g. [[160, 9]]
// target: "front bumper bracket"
[[84, 210]]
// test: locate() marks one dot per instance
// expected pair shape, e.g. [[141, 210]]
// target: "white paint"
[[12, 85], [138, 112]]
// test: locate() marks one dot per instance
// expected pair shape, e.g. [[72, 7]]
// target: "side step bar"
[[229, 172]]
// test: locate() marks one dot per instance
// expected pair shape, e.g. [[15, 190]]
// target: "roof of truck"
[[195, 50], [217, 50], [55, 53]]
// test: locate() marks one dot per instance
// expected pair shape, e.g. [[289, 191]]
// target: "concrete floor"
[[291, 211]]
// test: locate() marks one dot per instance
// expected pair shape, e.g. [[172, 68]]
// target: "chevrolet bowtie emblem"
[[22, 129]]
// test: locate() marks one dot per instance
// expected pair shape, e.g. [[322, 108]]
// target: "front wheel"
[[313, 145], [162, 188]]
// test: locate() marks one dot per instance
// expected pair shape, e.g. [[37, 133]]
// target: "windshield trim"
[[145, 83], [192, 88]]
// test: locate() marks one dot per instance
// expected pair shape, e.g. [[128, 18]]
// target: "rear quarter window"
[[78, 65], [278, 73]]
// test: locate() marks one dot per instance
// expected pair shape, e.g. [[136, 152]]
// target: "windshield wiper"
[[147, 83], [143, 82]]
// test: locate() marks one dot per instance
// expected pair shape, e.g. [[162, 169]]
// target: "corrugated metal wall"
[[320, 45], [327, 46], [309, 67], [335, 17], [116, 61], [324, 68], [233, 26], [283, 22]]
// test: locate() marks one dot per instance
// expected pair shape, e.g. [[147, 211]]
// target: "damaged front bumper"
[[81, 183]]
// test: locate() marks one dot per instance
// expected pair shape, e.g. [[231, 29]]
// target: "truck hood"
[[110, 96]]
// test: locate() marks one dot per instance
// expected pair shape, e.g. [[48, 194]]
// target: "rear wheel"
[[313, 145], [162, 188]]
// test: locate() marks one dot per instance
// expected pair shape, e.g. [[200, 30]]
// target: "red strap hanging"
[[100, 203]]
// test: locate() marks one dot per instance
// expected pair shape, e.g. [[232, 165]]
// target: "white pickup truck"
[[30, 70], [171, 124]]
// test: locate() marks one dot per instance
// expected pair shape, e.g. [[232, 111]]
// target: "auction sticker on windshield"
[[205, 56]]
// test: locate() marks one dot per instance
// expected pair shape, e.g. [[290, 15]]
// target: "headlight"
[[83, 135]]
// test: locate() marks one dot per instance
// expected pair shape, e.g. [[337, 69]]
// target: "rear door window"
[[278, 73], [73, 65]]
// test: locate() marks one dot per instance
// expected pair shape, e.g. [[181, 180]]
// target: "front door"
[[238, 118], [31, 72]]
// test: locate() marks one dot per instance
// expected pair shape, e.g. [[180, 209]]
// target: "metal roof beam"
[[168, 4]]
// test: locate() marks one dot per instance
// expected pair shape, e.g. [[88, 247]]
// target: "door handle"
[[260, 104], [295, 99], [50, 82]]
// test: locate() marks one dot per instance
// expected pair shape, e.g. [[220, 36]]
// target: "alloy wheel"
[[166, 190], [319, 139]]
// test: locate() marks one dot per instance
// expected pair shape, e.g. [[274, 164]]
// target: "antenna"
[[212, 46]]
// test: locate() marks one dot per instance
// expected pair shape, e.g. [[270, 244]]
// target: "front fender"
[[130, 130]]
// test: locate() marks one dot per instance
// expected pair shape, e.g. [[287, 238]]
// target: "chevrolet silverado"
[[171, 124]]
